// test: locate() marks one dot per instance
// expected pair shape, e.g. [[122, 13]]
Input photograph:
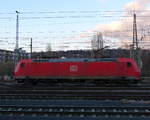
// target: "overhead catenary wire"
[[62, 15]]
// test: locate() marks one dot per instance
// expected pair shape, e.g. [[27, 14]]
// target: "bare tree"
[[97, 41], [48, 48]]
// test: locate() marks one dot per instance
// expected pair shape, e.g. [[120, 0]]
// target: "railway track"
[[38, 97], [75, 111], [76, 94], [21, 88], [16, 86], [15, 101]]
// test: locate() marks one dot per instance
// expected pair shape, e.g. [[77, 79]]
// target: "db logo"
[[73, 68]]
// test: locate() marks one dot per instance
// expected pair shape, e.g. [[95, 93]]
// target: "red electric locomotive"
[[122, 69]]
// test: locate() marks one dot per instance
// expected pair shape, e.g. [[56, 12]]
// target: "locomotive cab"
[[133, 73], [20, 70]]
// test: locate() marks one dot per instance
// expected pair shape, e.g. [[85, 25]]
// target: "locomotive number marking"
[[73, 68]]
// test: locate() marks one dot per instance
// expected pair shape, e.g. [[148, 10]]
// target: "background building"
[[9, 56]]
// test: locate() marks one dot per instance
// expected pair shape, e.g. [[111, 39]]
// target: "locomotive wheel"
[[34, 82], [20, 81]]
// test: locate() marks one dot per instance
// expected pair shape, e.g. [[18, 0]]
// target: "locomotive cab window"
[[129, 64]]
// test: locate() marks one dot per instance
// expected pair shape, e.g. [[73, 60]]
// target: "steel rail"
[[75, 111], [22, 87], [73, 97]]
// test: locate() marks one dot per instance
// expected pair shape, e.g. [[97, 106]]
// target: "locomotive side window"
[[22, 65], [129, 64]]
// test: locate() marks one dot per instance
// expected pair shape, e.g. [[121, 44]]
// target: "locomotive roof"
[[78, 60]]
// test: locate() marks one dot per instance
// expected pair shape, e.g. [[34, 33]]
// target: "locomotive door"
[[122, 69], [27, 69]]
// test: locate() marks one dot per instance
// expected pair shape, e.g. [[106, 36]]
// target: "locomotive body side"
[[73, 69]]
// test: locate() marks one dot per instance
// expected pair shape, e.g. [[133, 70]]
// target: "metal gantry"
[[136, 52]]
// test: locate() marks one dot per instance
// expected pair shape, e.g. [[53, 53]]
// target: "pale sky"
[[65, 24]]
